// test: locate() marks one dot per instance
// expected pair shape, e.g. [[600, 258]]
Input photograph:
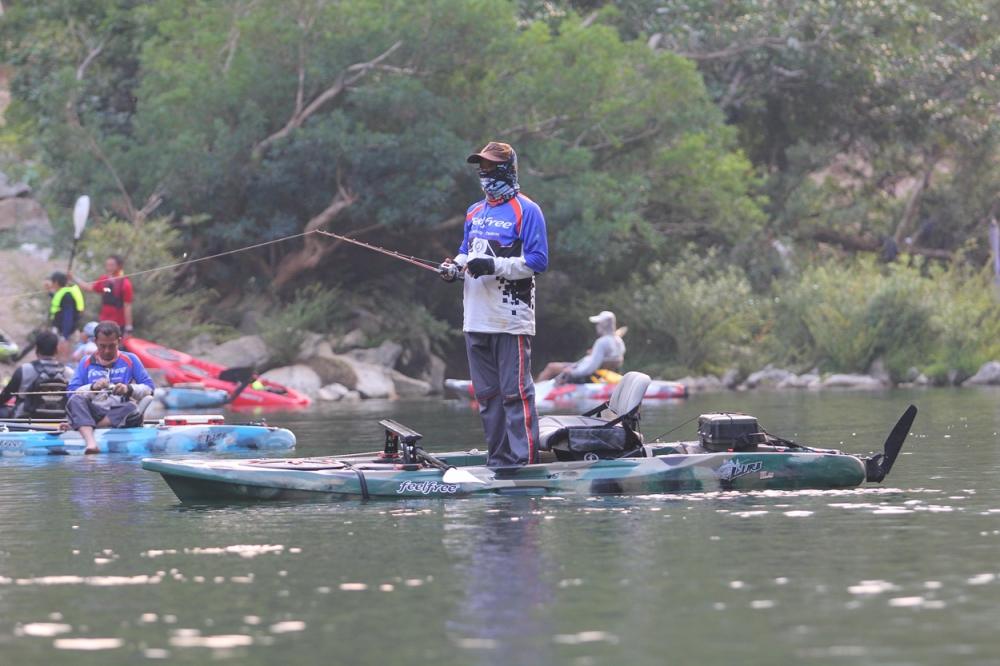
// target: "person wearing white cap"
[[607, 353], [86, 346]]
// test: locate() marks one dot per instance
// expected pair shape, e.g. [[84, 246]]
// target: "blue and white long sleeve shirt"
[[513, 234]]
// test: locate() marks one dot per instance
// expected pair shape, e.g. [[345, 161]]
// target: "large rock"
[[373, 381], [26, 218], [386, 354], [852, 382], [768, 378], [334, 369], [332, 392], [702, 384], [249, 350], [408, 387], [300, 377], [988, 375]]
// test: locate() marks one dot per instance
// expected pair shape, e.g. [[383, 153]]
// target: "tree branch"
[[348, 77]]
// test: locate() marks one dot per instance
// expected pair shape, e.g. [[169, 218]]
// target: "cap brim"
[[478, 157]]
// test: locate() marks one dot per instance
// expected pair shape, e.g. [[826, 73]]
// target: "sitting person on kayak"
[[105, 385], [38, 387], [607, 353], [86, 346]]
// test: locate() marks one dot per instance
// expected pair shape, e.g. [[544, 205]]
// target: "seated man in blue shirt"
[[105, 385]]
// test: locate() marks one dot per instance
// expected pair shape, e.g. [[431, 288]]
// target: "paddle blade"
[[80, 212], [458, 475], [893, 443], [237, 375]]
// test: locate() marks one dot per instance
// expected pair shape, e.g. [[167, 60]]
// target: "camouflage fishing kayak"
[[722, 459]]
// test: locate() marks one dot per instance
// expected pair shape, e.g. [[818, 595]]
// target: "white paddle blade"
[[80, 212], [456, 475]]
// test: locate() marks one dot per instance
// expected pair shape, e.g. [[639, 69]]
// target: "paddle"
[[80, 213], [878, 466], [243, 376], [452, 474]]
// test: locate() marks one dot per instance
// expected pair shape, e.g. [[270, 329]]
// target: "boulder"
[[26, 218], [386, 354], [794, 381], [408, 387], [731, 378], [988, 375], [249, 350], [332, 392], [9, 190], [353, 339], [373, 381], [768, 378], [200, 344], [702, 384], [313, 344], [434, 374], [852, 382], [880, 372], [334, 369], [299, 377]]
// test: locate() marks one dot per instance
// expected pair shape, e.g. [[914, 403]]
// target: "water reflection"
[[504, 614]]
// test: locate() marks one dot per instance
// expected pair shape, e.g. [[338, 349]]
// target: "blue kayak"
[[151, 438], [191, 398]]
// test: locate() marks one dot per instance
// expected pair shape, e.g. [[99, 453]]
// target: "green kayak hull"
[[364, 477]]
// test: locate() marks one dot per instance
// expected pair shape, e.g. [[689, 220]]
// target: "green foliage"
[[699, 314], [169, 307], [284, 329], [843, 316]]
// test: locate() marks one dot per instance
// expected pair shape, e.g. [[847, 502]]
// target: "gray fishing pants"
[[500, 369], [80, 411]]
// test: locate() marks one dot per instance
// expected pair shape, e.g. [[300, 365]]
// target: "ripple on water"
[[87, 643], [187, 638], [45, 629]]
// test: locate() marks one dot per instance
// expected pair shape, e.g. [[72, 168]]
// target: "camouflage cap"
[[494, 151]]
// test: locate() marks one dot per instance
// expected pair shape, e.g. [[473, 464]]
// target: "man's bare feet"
[[89, 450]]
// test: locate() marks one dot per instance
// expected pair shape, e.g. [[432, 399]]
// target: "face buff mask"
[[500, 184]]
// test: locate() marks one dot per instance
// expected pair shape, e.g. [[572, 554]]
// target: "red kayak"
[[181, 368]]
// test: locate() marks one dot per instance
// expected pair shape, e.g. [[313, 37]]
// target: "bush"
[[283, 331], [169, 307], [695, 316]]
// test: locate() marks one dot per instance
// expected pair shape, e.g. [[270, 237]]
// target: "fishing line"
[[657, 438], [180, 263]]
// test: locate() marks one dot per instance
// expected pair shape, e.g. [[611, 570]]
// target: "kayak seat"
[[612, 435], [136, 418]]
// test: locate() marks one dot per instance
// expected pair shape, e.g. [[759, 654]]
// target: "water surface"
[[99, 563]]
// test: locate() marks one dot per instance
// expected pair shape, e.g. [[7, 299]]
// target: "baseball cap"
[[494, 151], [602, 316], [90, 328]]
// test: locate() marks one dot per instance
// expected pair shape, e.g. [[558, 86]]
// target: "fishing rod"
[[426, 264]]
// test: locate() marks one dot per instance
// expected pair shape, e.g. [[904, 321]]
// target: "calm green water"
[[99, 564]]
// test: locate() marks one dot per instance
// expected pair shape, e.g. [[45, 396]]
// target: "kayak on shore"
[[180, 368], [176, 434], [550, 395], [585, 454]]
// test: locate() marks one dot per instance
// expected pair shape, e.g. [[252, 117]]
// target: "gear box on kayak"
[[729, 432]]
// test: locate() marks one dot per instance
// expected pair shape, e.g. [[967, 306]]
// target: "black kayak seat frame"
[[571, 436], [400, 442]]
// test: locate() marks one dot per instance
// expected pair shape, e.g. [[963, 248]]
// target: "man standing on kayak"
[[116, 293], [504, 247], [105, 385]]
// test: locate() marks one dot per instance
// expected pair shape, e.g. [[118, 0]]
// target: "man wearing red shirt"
[[116, 293]]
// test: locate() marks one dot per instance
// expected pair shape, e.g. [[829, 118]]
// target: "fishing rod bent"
[[426, 264]]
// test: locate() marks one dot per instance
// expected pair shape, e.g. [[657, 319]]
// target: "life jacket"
[[111, 295], [46, 392], [57, 299]]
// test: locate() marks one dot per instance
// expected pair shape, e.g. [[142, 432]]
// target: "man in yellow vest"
[[65, 308]]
